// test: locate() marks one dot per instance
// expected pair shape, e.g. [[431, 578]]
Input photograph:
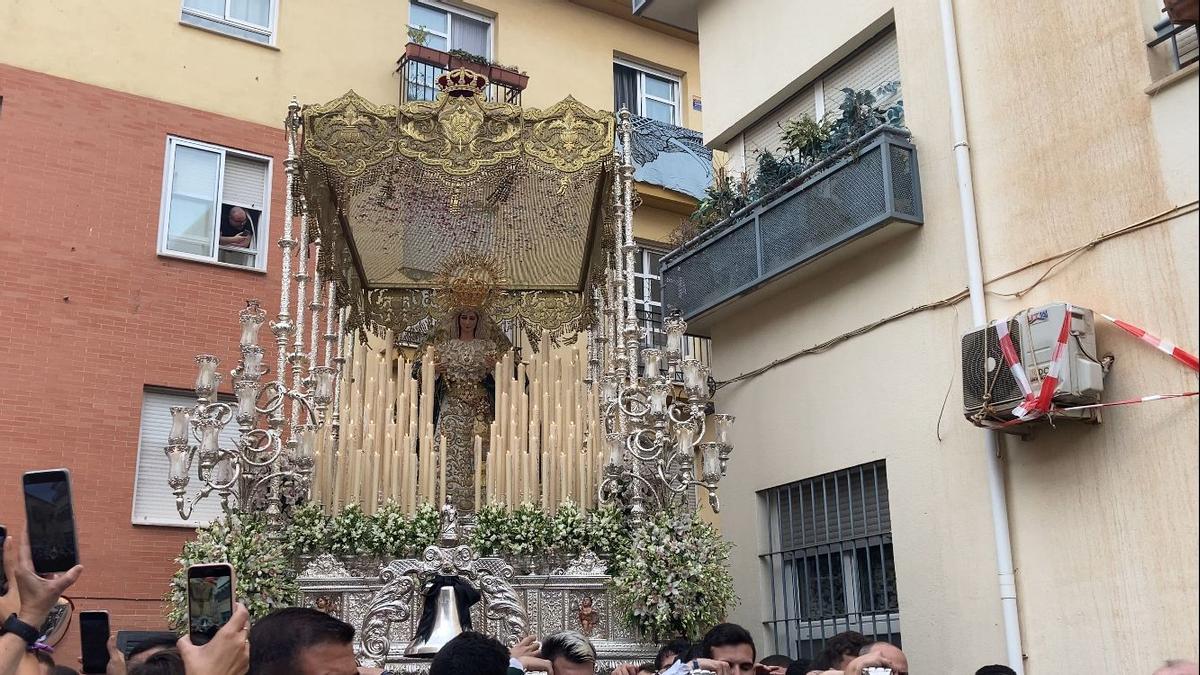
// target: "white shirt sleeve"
[[678, 668]]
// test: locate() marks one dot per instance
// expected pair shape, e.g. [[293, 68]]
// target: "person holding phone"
[[32, 595]]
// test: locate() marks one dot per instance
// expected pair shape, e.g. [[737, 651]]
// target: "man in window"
[[238, 229]]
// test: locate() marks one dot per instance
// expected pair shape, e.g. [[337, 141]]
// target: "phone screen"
[[210, 600], [3, 574], [51, 520], [93, 641]]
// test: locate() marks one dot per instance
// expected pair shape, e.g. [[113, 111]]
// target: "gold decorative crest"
[[569, 135], [349, 133]]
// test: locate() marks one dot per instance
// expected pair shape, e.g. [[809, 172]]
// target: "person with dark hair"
[[152, 645], [727, 649], [732, 644], [995, 670], [799, 667], [569, 653], [777, 661], [160, 662], [302, 641], [471, 653], [671, 652], [840, 650], [879, 655]]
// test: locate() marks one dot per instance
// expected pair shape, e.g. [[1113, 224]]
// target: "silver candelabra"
[[269, 465], [655, 430]]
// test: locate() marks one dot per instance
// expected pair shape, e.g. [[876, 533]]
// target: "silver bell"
[[446, 626]]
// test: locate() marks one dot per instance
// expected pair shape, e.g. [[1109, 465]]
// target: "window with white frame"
[[252, 20], [647, 293], [646, 92], [450, 28], [215, 204], [153, 501], [829, 555]]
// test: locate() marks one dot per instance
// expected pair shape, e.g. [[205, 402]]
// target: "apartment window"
[[252, 20], [647, 293], [153, 501], [450, 28], [215, 204], [830, 559], [646, 92], [874, 67]]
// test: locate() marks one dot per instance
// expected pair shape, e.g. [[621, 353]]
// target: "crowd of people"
[[304, 641]]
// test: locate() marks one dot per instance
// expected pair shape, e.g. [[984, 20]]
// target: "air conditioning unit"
[[990, 388]]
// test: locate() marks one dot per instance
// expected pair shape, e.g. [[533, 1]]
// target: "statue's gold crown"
[[469, 279], [462, 82]]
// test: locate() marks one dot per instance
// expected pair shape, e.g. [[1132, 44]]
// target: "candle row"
[[538, 449]]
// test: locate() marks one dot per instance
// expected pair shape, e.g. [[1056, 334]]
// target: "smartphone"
[[210, 600], [93, 641], [50, 520], [3, 575]]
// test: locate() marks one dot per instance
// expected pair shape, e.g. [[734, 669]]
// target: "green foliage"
[[491, 529], [673, 579], [266, 576], [806, 142], [418, 35], [425, 528], [568, 530], [529, 531], [310, 529], [390, 531], [350, 532], [608, 530]]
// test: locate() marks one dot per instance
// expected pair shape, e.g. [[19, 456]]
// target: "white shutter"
[[153, 501], [870, 68], [767, 133], [245, 182]]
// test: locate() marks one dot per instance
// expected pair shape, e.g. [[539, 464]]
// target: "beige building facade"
[[1076, 129]]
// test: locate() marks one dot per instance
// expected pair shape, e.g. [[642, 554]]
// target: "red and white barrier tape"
[[1034, 407], [1015, 366], [1165, 346]]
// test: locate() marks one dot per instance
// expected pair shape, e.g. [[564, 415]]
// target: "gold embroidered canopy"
[[392, 193]]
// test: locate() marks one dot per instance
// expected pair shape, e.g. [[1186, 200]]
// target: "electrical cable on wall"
[[1058, 260]]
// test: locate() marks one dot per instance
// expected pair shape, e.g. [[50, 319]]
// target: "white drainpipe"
[[966, 194]]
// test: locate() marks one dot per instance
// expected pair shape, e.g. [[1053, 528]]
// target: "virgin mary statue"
[[467, 348]]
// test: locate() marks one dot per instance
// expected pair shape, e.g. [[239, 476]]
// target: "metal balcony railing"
[[1182, 42], [418, 78], [869, 186]]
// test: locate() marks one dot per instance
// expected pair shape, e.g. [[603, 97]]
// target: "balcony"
[[671, 157], [1181, 41], [870, 187], [421, 66]]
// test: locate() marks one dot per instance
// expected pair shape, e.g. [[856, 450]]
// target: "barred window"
[[829, 554]]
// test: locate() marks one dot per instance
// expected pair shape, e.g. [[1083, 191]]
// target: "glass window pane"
[[257, 12], [657, 110], [469, 35], [214, 7], [191, 213], [428, 18], [655, 264], [437, 42], [659, 87]]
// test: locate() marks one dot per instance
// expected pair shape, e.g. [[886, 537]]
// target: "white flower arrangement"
[[673, 579]]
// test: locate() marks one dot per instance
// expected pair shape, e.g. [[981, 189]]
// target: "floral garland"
[[266, 575], [673, 579], [670, 576]]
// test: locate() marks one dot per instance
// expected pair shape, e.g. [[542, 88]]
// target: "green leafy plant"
[[807, 138], [418, 35], [674, 578], [529, 531], [266, 577], [390, 531], [607, 531], [425, 529]]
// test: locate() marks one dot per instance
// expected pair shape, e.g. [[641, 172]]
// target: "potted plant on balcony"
[[460, 58], [508, 75], [416, 51]]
